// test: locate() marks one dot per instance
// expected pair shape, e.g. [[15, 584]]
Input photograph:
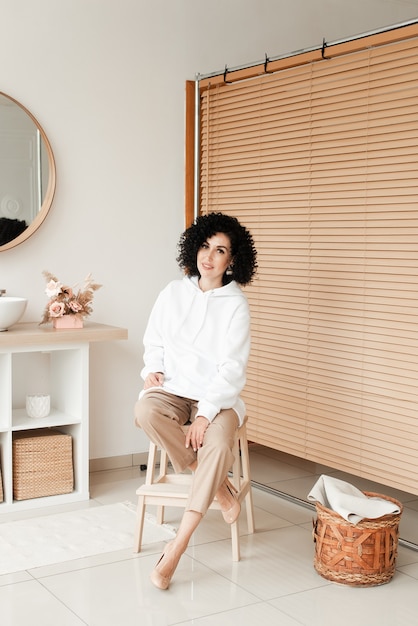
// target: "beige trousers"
[[161, 415]]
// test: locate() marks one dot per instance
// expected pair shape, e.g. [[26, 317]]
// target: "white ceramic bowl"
[[11, 310]]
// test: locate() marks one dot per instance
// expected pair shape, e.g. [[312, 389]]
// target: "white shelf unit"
[[60, 369]]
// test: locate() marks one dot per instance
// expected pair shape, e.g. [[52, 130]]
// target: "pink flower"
[[53, 288], [56, 309], [74, 306]]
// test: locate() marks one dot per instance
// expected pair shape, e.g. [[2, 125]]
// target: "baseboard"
[[118, 462]]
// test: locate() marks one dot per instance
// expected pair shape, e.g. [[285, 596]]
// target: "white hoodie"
[[200, 341]]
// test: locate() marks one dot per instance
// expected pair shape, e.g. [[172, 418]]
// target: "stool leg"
[[160, 514], [161, 475], [152, 457], [236, 467], [250, 512], [236, 555], [140, 515], [245, 463]]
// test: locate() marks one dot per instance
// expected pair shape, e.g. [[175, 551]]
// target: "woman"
[[197, 343]]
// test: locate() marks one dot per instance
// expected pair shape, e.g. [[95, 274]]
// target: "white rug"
[[40, 541]]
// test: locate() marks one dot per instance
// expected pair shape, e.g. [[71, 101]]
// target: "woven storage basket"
[[361, 555], [42, 464]]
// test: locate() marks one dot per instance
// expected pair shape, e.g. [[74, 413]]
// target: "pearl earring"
[[229, 271]]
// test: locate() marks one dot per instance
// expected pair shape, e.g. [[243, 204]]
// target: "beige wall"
[[105, 78]]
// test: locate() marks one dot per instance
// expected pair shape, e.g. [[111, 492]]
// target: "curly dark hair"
[[203, 228]]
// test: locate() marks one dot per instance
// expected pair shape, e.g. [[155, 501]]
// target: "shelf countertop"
[[31, 334]]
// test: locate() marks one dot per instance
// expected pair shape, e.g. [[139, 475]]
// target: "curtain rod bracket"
[[324, 45], [266, 62], [227, 82]]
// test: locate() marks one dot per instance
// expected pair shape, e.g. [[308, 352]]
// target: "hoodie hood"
[[232, 289]]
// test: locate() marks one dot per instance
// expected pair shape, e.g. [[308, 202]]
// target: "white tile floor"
[[274, 583]]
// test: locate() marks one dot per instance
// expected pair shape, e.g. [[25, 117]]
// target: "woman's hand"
[[196, 432], [155, 379]]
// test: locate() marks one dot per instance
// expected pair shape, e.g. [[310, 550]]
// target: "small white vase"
[[38, 406]]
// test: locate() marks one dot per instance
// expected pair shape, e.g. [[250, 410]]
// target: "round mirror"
[[27, 173]]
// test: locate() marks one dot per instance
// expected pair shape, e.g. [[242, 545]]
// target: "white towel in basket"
[[348, 501]]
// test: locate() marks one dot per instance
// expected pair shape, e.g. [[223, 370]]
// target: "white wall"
[[105, 78]]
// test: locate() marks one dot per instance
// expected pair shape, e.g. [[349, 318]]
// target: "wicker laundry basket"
[[42, 464], [361, 555]]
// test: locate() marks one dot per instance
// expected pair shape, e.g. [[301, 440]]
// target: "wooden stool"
[[173, 489]]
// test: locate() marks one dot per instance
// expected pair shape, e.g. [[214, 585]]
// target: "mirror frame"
[[50, 191]]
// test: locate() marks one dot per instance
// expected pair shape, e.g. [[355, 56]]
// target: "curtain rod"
[[322, 47]]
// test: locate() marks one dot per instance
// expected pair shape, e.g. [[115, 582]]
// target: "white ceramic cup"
[[38, 405]]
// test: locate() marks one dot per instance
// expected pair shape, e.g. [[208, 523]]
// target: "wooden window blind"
[[320, 161]]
